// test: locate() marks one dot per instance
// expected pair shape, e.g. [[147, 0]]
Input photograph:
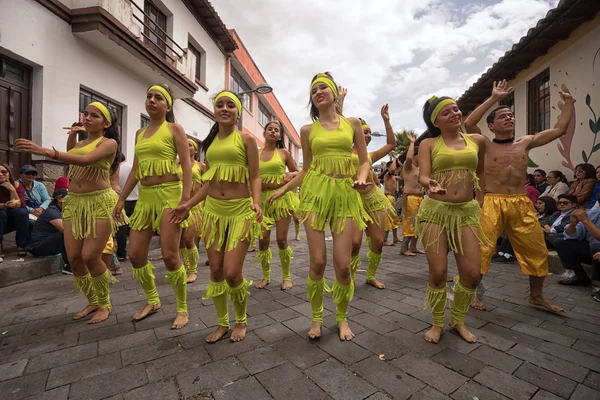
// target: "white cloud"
[[384, 52]]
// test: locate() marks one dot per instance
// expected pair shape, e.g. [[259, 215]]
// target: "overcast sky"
[[383, 51]]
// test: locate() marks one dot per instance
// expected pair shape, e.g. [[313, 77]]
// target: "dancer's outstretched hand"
[[436, 188], [179, 213], [361, 184], [275, 196], [256, 208], [118, 211]]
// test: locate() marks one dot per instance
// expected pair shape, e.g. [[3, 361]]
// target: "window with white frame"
[[195, 63], [264, 116], [238, 85]]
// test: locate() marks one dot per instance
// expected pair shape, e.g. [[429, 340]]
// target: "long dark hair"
[[314, 111], [112, 132], [428, 107], [588, 169], [549, 204], [170, 117], [214, 130], [561, 177], [280, 143], [11, 179]]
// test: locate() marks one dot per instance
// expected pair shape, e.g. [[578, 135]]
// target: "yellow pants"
[[410, 207], [395, 223], [514, 213], [110, 246]]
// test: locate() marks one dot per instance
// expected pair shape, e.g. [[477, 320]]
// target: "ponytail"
[[112, 132], [212, 134]]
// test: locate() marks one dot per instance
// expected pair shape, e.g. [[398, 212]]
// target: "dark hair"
[[530, 179], [112, 132], [280, 143], [561, 177], [541, 171], [314, 111], [214, 130], [590, 171], [570, 197], [549, 204], [170, 117], [492, 114], [428, 108], [11, 179]]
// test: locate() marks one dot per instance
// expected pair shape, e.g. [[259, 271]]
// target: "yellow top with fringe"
[[332, 149], [227, 159], [272, 171], [157, 155], [196, 175], [449, 166], [93, 172], [356, 161]]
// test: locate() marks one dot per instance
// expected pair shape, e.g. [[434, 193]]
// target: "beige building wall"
[[574, 62]]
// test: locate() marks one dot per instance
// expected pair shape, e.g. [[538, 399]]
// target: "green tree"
[[402, 141]]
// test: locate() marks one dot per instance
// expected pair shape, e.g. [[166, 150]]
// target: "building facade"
[[563, 49]]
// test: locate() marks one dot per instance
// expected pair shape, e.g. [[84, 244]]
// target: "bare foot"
[[297, 239], [286, 285], [118, 271], [345, 332], [315, 330], [262, 284], [408, 253], [464, 333], [239, 333], [417, 251], [181, 320], [148, 310], [478, 305], [388, 243], [217, 335], [374, 282], [192, 278], [85, 312], [101, 315], [396, 240], [539, 300], [434, 334]]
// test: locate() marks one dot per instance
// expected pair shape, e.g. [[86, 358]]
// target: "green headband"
[[439, 107], [231, 96], [322, 78], [164, 92], [193, 142], [102, 109]]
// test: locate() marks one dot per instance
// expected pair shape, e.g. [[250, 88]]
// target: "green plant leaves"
[[588, 99], [584, 156]]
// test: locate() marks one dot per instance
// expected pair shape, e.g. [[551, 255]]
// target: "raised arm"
[[389, 135], [500, 90], [562, 124], [410, 153], [341, 97]]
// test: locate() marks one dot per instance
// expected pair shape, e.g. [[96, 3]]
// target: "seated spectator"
[[581, 244], [504, 253], [36, 194], [540, 180], [555, 227], [13, 214], [583, 186], [47, 237], [545, 206], [596, 191], [557, 185], [61, 183], [530, 189]]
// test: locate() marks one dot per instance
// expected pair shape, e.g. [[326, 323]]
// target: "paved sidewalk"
[[523, 352]]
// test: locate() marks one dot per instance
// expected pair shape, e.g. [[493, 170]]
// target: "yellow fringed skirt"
[[330, 201], [151, 204], [281, 208], [436, 217], [375, 201], [225, 223], [83, 209]]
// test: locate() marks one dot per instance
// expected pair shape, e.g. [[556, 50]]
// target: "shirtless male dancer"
[[506, 207], [390, 186], [411, 199]]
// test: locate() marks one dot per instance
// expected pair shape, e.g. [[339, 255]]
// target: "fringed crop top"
[[156, 155], [449, 165], [227, 159], [356, 161], [99, 169], [332, 150], [272, 171], [196, 175]]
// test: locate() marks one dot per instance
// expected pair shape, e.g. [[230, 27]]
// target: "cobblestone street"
[[523, 352]]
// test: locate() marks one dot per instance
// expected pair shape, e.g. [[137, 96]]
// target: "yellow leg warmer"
[[314, 292], [84, 284], [436, 300], [100, 286], [239, 297], [190, 259], [342, 294], [285, 256], [368, 241], [374, 260], [218, 292], [146, 278], [463, 298], [354, 264], [178, 279], [265, 257]]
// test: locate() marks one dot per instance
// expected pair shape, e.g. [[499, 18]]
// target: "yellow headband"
[[102, 109], [193, 142], [439, 107], [365, 126], [321, 77], [231, 96], [164, 92]]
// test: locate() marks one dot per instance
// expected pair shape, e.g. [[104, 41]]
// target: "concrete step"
[[16, 269]]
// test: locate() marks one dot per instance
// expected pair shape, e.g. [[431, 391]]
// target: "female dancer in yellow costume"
[[376, 204], [274, 159], [451, 167], [231, 219], [187, 246], [155, 166], [328, 198], [87, 210]]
